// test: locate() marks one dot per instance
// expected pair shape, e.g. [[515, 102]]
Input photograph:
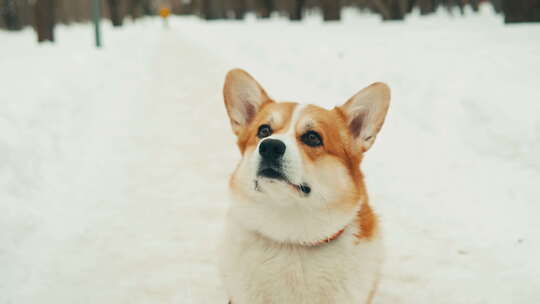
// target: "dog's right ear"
[[243, 98]]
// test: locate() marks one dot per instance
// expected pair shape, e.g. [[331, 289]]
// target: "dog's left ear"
[[365, 113], [243, 98]]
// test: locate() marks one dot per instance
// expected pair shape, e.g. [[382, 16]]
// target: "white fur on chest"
[[257, 270]]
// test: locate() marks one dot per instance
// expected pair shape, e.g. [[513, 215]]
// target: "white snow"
[[114, 163]]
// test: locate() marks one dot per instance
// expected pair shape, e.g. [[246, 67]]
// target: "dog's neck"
[[327, 240], [317, 243], [289, 222]]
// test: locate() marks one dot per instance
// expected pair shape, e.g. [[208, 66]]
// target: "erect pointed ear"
[[243, 98], [365, 113]]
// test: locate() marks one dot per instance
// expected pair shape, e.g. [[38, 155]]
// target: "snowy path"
[[114, 186], [135, 216]]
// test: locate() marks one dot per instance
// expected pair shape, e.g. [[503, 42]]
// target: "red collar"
[[323, 241], [328, 239], [315, 243]]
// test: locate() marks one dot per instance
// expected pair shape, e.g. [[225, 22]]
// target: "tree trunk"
[[147, 8], [410, 5], [237, 8], [62, 13], [497, 6], [521, 11], [135, 9], [397, 9], [331, 10], [9, 15], [44, 20], [475, 4], [264, 8], [115, 12], [426, 6], [296, 9], [25, 12], [390, 9], [461, 5], [212, 9]]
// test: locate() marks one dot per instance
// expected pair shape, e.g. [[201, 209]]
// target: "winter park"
[[115, 160]]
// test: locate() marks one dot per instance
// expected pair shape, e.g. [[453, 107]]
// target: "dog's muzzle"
[[272, 151]]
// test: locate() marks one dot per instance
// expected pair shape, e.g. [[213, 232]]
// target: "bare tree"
[[25, 12], [296, 9], [116, 12], [139, 8], [236, 8], [62, 13], [44, 19], [10, 16], [521, 11], [475, 4], [460, 4], [497, 5], [398, 9], [264, 8], [450, 4], [390, 9], [410, 6], [331, 10], [211, 9], [426, 6]]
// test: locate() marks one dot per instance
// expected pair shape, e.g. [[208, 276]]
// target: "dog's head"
[[299, 177]]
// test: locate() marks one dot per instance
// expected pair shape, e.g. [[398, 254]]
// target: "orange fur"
[[366, 221], [336, 137], [338, 147], [277, 115]]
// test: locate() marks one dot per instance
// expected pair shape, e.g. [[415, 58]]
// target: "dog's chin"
[[271, 176]]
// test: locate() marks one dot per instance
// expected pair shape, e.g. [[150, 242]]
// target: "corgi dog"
[[299, 229]]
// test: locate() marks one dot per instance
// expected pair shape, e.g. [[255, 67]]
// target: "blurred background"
[[115, 148], [44, 14]]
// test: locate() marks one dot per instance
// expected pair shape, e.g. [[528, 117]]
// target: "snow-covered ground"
[[114, 163]]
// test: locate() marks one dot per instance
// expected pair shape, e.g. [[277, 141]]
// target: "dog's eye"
[[312, 139], [264, 131]]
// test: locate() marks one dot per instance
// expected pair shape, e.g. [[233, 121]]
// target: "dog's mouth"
[[274, 174], [271, 173]]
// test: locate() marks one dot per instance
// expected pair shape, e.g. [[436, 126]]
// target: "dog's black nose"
[[272, 149]]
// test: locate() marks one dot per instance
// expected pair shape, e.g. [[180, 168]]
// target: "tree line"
[[17, 14], [513, 10], [44, 14]]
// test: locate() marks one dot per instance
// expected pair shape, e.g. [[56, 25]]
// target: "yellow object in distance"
[[164, 12]]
